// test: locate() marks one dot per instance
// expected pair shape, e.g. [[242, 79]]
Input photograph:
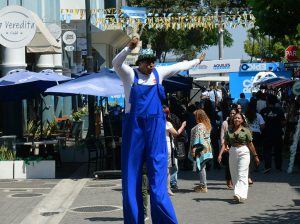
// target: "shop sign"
[[69, 37], [17, 27], [216, 66], [69, 48], [260, 67]]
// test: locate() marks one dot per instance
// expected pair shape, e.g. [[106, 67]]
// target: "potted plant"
[[7, 158], [77, 122]]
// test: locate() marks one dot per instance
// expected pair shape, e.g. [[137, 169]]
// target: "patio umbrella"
[[178, 83], [266, 80], [23, 84], [103, 83]]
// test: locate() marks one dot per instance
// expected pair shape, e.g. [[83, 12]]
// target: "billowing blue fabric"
[[144, 139]]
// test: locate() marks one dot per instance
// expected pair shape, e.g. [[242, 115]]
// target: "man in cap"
[[144, 137]]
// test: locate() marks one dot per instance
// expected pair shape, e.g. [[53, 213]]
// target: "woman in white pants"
[[239, 138]]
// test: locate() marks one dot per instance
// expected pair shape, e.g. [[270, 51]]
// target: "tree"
[[181, 42], [265, 47], [277, 18]]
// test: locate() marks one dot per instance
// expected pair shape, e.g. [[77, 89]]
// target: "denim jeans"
[[174, 172]]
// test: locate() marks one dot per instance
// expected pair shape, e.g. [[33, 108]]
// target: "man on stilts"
[[144, 137]]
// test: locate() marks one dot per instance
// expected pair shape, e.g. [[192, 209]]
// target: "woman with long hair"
[[171, 132], [239, 138], [200, 148], [225, 125]]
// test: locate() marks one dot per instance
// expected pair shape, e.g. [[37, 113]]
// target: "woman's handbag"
[[179, 151]]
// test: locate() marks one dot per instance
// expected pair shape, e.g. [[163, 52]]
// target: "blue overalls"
[[144, 139]]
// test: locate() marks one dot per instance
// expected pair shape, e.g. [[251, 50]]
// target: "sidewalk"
[[273, 198]]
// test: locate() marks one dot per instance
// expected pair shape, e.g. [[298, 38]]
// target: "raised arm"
[[175, 133], [167, 71], [124, 71]]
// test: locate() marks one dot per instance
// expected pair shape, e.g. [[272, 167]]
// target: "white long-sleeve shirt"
[[126, 73]]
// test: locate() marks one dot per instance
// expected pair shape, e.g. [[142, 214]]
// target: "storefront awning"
[[43, 41], [116, 38]]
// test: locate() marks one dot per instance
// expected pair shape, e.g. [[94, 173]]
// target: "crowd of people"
[[215, 132]]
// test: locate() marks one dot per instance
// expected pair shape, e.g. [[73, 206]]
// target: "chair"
[[93, 154]]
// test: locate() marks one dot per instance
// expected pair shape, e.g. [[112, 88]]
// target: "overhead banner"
[[120, 19], [215, 66]]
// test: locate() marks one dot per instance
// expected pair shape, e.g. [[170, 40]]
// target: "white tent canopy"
[[212, 78], [43, 41]]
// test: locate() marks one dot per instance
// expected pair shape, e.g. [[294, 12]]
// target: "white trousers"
[[239, 159]]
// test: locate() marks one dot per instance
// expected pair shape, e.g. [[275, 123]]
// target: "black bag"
[[199, 148], [179, 150]]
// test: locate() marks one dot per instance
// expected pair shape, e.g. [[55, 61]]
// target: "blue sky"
[[236, 51]]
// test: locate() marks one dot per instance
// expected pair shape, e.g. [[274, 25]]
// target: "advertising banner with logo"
[[256, 67], [215, 66], [242, 82], [17, 26]]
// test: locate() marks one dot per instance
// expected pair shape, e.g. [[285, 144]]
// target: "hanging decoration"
[[108, 19]]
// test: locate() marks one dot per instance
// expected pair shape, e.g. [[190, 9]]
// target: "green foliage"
[[276, 18], [186, 43], [6, 154], [31, 160], [33, 127], [266, 47], [77, 115], [49, 128]]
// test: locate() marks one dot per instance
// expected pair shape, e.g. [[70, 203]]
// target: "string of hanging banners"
[[108, 19]]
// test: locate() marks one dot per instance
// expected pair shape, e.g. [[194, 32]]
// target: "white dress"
[[168, 127]]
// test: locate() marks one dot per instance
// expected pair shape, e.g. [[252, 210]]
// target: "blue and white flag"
[[135, 12]]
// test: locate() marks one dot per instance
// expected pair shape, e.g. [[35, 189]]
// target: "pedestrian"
[[215, 132], [171, 132], [239, 138], [272, 135], [211, 94], [200, 148], [243, 102], [256, 124], [225, 159], [176, 139], [143, 136]]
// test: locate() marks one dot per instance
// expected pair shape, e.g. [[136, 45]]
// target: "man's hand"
[[202, 57], [133, 42]]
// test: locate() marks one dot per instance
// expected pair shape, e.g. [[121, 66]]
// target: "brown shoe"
[[200, 189]]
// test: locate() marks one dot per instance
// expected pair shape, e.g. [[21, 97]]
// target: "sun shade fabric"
[[178, 83], [43, 41], [276, 83], [22, 84], [102, 83]]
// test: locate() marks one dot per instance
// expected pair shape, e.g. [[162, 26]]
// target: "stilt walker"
[[144, 137]]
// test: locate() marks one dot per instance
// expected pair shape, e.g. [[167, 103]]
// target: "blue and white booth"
[[244, 80]]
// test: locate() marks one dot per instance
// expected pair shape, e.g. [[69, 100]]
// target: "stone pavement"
[[273, 198]]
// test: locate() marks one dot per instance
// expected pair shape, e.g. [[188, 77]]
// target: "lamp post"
[[89, 67]]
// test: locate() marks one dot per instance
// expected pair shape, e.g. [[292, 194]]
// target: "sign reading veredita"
[[17, 26]]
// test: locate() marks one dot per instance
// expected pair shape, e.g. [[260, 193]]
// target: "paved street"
[[274, 198]]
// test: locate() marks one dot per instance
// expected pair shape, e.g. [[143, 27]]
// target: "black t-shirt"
[[273, 117]]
